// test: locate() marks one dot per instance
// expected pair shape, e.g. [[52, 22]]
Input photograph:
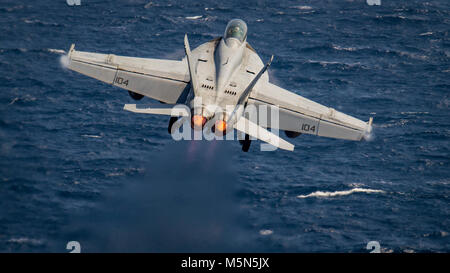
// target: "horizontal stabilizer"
[[172, 111], [246, 126]]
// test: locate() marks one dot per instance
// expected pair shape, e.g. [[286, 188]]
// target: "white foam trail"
[[414, 113], [265, 232], [91, 136], [302, 7], [339, 193], [24, 240], [340, 48], [194, 17], [57, 51]]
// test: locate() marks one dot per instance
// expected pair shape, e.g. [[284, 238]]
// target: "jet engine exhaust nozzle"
[[220, 127], [198, 122]]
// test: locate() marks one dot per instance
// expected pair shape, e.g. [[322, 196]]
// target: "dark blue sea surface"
[[75, 167]]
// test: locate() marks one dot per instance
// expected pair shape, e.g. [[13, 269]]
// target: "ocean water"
[[75, 167]]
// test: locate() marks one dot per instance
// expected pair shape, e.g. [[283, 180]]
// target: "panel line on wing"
[[94, 64], [155, 76], [318, 127]]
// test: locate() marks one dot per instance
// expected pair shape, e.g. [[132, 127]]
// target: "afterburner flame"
[[221, 126], [198, 121]]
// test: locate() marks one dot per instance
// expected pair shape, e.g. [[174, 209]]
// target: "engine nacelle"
[[135, 96], [292, 134]]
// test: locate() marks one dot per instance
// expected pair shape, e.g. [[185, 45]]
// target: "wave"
[[92, 136], [368, 50], [340, 48], [302, 7], [24, 240], [194, 17], [265, 232], [342, 65], [13, 101], [23, 99], [41, 23], [12, 8], [339, 193], [414, 113]]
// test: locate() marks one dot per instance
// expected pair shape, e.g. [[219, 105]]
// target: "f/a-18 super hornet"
[[222, 72]]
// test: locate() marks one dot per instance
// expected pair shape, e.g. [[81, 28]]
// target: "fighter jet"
[[223, 72]]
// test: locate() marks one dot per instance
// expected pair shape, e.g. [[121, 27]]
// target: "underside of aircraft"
[[223, 72]]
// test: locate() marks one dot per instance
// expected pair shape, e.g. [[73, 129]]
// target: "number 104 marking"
[[120, 80], [306, 127]]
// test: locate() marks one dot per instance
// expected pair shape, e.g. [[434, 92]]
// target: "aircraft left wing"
[[163, 80], [302, 115]]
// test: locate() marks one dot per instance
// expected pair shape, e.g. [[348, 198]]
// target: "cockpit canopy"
[[237, 29]]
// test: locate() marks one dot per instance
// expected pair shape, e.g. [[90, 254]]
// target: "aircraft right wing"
[[163, 80], [299, 114]]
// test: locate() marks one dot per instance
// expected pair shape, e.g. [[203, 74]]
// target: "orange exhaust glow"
[[221, 126], [198, 121]]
